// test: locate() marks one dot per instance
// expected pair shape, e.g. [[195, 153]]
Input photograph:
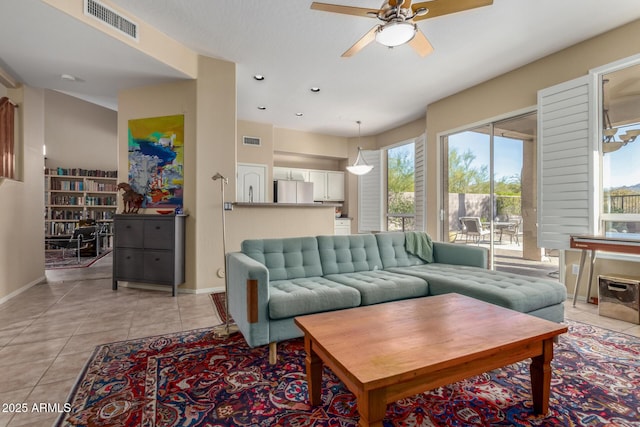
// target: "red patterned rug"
[[218, 299], [194, 379]]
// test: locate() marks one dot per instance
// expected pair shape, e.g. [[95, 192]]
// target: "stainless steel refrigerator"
[[292, 191]]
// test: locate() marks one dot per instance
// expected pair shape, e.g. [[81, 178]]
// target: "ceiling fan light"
[[395, 33]]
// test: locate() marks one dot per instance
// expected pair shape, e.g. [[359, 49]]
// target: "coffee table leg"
[[372, 407], [541, 378], [314, 373]]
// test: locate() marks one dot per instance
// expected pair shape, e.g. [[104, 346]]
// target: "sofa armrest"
[[457, 254], [240, 270]]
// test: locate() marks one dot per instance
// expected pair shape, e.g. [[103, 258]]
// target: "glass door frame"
[[443, 147]]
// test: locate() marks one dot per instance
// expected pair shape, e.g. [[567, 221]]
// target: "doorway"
[[490, 190]]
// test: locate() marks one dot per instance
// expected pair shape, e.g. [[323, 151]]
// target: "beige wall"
[[216, 152], [312, 144], [208, 105], [21, 221], [79, 134], [151, 40], [514, 91], [155, 101]]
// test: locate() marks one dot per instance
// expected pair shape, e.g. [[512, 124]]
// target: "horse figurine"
[[132, 200]]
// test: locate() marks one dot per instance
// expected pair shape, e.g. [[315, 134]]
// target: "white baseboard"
[[22, 289], [165, 288]]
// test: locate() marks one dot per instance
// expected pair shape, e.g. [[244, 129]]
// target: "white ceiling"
[[296, 48]]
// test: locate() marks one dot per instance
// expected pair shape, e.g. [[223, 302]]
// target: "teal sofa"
[[271, 281]]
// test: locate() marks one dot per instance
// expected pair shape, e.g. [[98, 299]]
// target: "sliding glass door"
[[489, 188]]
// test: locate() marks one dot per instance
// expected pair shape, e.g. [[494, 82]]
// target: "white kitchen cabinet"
[[290, 174], [342, 227], [327, 185]]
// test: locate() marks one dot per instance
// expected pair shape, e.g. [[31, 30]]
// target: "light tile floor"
[[48, 332]]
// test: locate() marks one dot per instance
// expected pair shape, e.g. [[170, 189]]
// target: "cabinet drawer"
[[158, 266], [128, 264], [128, 233], [158, 234]]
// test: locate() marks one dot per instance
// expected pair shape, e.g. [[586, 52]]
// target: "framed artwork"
[[156, 160]]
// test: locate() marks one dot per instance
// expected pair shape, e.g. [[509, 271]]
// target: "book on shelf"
[[81, 172]]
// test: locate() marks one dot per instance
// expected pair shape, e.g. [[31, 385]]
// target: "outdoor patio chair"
[[513, 230], [472, 226]]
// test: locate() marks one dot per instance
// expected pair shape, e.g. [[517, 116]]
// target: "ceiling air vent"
[[251, 140], [112, 18]]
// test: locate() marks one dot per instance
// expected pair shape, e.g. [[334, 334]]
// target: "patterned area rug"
[[218, 299], [55, 259], [194, 379]]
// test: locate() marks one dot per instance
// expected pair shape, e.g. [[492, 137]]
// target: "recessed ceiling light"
[[299, 114], [261, 107], [315, 89], [259, 77], [68, 77]]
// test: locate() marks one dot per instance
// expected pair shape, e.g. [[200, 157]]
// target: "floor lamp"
[[226, 328]]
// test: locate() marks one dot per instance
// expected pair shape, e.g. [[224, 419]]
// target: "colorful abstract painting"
[[156, 160]]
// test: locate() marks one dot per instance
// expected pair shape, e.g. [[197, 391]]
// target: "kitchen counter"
[[278, 220]]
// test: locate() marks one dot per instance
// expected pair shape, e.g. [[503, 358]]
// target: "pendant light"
[[360, 167]]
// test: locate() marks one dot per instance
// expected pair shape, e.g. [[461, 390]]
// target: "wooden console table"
[[594, 243]]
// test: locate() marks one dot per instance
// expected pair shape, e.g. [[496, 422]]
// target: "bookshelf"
[[75, 195]]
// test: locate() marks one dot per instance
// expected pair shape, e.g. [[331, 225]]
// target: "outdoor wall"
[[515, 91], [79, 134], [21, 220]]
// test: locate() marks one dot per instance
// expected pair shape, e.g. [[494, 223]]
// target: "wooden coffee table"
[[386, 352]]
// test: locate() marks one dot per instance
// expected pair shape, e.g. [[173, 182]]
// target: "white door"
[[251, 183]]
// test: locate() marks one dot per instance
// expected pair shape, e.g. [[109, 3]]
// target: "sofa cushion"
[[382, 286], [295, 297], [514, 291], [393, 252], [348, 254], [288, 258]]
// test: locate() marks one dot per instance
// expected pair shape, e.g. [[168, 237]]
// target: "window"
[[7, 139], [620, 154], [405, 189], [401, 199]]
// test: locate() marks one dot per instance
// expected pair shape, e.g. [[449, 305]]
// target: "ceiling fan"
[[399, 18]]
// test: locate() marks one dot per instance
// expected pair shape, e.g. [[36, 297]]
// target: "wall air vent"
[[251, 140], [112, 18]]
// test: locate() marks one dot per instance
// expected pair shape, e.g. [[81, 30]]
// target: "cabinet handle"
[[157, 227]]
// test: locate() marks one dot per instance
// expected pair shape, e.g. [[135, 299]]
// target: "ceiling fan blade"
[[347, 10], [420, 44], [364, 40], [445, 7]]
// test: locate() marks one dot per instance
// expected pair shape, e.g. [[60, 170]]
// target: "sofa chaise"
[[271, 281]]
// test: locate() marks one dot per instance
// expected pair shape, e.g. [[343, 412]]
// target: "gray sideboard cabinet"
[[149, 249]]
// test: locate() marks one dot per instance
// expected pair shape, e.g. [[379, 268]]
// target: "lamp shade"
[[360, 167]]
